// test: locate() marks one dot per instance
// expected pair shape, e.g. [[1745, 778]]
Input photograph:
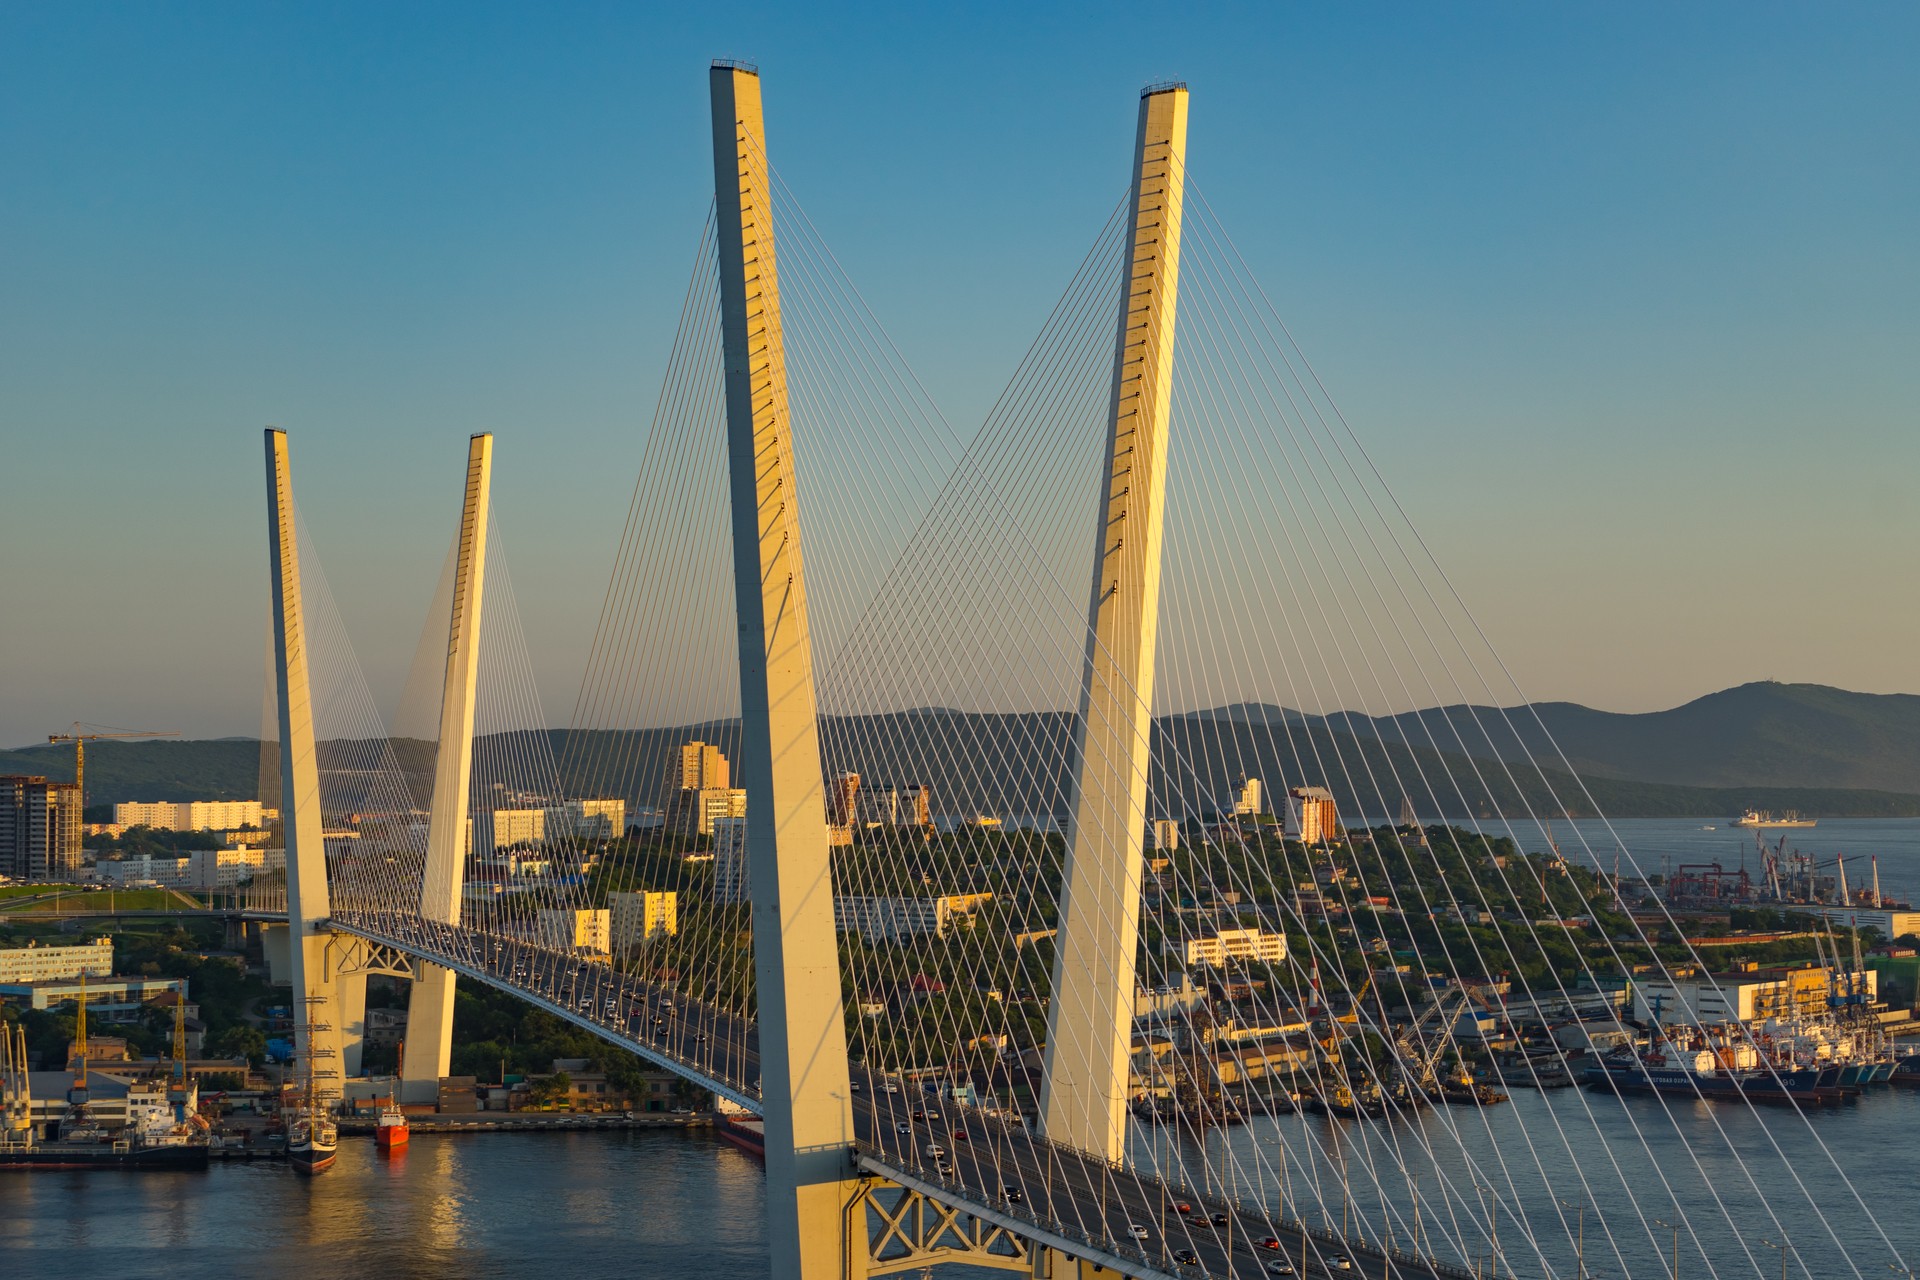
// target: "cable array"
[[1283, 953]]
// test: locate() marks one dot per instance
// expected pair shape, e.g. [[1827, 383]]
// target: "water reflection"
[[1453, 1178]]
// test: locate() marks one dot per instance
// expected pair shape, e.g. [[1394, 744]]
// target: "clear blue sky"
[[1624, 296]]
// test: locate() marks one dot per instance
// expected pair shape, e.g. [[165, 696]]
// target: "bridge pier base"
[[428, 1052], [350, 999]]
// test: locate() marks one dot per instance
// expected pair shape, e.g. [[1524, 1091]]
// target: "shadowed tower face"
[[804, 1076], [1090, 1022]]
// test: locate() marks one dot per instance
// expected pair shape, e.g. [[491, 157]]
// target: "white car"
[[1340, 1262], [935, 1151], [1137, 1231], [889, 1087]]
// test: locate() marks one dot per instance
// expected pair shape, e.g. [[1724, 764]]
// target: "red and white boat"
[[391, 1133]]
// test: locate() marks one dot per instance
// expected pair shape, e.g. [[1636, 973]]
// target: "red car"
[[1181, 1206], [1271, 1242]]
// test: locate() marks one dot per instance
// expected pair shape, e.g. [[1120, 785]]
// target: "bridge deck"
[[999, 1171]]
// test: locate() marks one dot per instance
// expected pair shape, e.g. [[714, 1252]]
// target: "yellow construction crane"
[[80, 741]]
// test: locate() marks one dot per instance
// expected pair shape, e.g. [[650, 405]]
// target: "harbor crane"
[[79, 738]]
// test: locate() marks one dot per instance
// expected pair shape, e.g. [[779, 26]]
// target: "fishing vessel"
[[1762, 818]]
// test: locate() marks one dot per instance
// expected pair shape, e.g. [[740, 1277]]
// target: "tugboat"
[[392, 1133]]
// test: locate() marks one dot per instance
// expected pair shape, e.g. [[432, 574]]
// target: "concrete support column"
[[317, 1017], [429, 1046], [1090, 1020], [803, 1047], [350, 991]]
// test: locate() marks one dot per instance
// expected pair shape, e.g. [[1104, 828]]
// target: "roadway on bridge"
[[960, 1154]]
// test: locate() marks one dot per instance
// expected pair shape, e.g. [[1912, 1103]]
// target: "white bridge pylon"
[[429, 1047], [318, 1009], [1090, 1019]]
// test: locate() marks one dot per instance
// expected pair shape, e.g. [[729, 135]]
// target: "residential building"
[[39, 828], [916, 805], [843, 800], [35, 963], [703, 768], [1311, 815], [639, 918], [1237, 944], [1251, 802], [700, 809], [227, 868], [386, 1026], [583, 930], [587, 820], [194, 815], [732, 879], [505, 828], [172, 872], [891, 919], [1164, 835]]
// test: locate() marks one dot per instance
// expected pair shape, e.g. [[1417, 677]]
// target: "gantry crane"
[[80, 741]]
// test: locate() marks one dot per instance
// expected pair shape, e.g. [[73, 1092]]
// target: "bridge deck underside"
[[993, 1169]]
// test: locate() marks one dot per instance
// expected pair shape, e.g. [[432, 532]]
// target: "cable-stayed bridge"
[[1020, 858]]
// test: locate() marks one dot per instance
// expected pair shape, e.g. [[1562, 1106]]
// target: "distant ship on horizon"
[[1763, 818]]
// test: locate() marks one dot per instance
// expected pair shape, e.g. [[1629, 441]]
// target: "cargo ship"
[[744, 1130], [1704, 1077], [155, 1137], [1762, 818]]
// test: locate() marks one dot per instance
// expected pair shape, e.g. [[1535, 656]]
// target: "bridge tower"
[[429, 1047], [1090, 1022], [811, 1183], [317, 1004]]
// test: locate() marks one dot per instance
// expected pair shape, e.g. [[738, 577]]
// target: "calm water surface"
[[582, 1206]]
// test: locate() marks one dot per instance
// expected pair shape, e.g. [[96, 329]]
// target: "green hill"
[[1755, 735], [1827, 752]]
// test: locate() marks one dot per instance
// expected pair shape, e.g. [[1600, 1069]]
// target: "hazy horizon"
[[1627, 321]]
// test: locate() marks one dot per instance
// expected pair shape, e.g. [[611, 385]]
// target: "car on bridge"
[[1186, 1257]]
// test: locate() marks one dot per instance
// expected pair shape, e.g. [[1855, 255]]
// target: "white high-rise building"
[[731, 879], [585, 930], [639, 918]]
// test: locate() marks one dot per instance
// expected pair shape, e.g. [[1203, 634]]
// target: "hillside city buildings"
[[194, 815]]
